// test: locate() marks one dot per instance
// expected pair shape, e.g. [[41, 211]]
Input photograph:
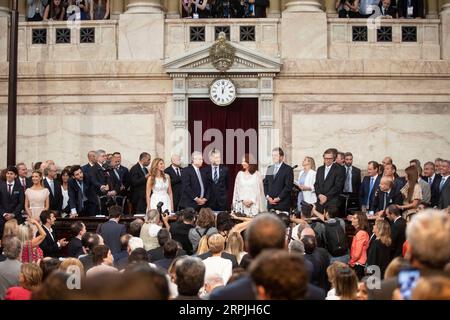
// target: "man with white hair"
[[101, 180], [195, 193], [428, 236], [54, 187], [174, 171]]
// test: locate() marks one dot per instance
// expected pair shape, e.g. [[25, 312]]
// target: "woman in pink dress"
[[36, 197]]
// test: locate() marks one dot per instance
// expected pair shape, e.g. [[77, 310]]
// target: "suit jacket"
[[224, 255], [378, 254], [124, 180], [74, 248], [444, 196], [100, 177], [86, 169], [332, 186], [13, 203], [279, 186], [158, 254], [218, 192], [191, 188], [398, 236], [418, 10], [379, 203], [176, 184], [111, 232], [56, 200], [434, 188], [28, 183], [390, 11], [76, 197], [50, 244], [365, 188], [356, 179], [138, 184]]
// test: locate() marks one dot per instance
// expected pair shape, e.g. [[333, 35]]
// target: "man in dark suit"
[[444, 185], [330, 179], [352, 183], [75, 246], [91, 161], [50, 246], [120, 178], [434, 180], [82, 198], [138, 176], [260, 8], [54, 187], [12, 198], [170, 250], [278, 182], [195, 193], [398, 229], [24, 181], [102, 181], [217, 178], [385, 195], [264, 232], [387, 10], [111, 231], [370, 184], [158, 253], [174, 171]]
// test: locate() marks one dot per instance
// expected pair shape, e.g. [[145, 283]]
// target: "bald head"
[[308, 232], [266, 231], [386, 160]]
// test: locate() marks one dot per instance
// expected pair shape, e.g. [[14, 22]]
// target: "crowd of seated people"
[[389, 9], [60, 10], [402, 223]]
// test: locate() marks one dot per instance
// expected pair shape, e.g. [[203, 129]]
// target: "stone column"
[[274, 9], [144, 6], [117, 8], [330, 8], [432, 9], [303, 6], [22, 5], [4, 8], [141, 31], [173, 9], [303, 30], [445, 29]]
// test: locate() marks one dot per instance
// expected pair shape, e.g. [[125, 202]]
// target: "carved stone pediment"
[[246, 61]]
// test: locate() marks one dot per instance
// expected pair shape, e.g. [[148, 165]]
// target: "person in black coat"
[[444, 186], [398, 230], [22, 178], [387, 9], [217, 177], [418, 8], [379, 251], [278, 183], [103, 182], [330, 181], [91, 161], [54, 187], [385, 195], [82, 199], [138, 176], [120, 177], [50, 246], [170, 252], [434, 180], [174, 171], [352, 184], [12, 198], [195, 193], [370, 184], [112, 230], [75, 246]]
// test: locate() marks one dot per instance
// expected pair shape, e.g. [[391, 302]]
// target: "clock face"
[[222, 92]]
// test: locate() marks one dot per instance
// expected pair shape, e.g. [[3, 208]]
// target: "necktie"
[[178, 172], [430, 182], [216, 176], [24, 183], [117, 174], [199, 177], [441, 185], [385, 200], [10, 188], [370, 190], [348, 181], [275, 170]]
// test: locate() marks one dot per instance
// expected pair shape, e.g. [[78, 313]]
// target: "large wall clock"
[[222, 92]]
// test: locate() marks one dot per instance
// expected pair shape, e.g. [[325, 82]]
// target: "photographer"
[[199, 9]]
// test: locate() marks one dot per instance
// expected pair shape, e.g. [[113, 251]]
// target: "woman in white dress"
[[305, 182], [158, 187], [36, 197], [248, 196]]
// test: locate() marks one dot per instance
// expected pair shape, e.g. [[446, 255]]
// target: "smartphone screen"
[[407, 280]]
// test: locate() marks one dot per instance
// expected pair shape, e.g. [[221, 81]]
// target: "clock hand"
[[222, 90]]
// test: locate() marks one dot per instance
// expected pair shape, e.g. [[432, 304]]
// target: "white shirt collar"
[[397, 218], [11, 183], [49, 230], [48, 179]]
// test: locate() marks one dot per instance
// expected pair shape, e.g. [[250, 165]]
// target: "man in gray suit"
[[10, 268]]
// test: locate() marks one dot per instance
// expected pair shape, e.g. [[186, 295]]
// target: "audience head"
[[445, 168], [188, 215], [30, 276], [54, 287], [157, 168], [373, 168], [70, 265], [360, 222], [386, 184], [65, 176], [100, 156], [386, 160], [394, 267], [332, 270], [428, 235], [382, 231], [176, 160], [170, 249], [249, 163], [12, 247], [76, 173], [135, 227], [102, 255], [203, 245], [197, 159], [277, 155], [216, 243], [393, 212], [190, 275], [36, 178], [213, 281], [266, 231], [115, 212], [235, 244], [331, 212], [389, 170], [51, 171], [47, 217], [135, 243], [346, 283], [25, 232], [163, 236], [145, 158], [310, 244], [152, 216], [37, 166], [415, 163], [22, 170], [340, 158], [363, 290], [429, 169], [91, 157], [10, 229], [48, 266], [279, 275], [206, 218], [138, 255], [215, 157], [348, 158], [329, 156], [124, 239], [78, 229], [11, 174], [296, 246], [224, 223], [89, 241], [306, 209]]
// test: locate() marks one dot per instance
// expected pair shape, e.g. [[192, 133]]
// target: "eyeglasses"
[[328, 158]]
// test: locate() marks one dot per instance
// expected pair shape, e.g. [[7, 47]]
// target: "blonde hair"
[[235, 244], [332, 270], [71, 262], [428, 236], [11, 229], [313, 163], [25, 233], [203, 245], [32, 275], [154, 171], [216, 243], [384, 232]]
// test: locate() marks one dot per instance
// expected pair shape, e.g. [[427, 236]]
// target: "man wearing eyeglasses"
[[330, 179]]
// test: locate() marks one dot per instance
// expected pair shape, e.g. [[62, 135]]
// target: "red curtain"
[[241, 114]]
